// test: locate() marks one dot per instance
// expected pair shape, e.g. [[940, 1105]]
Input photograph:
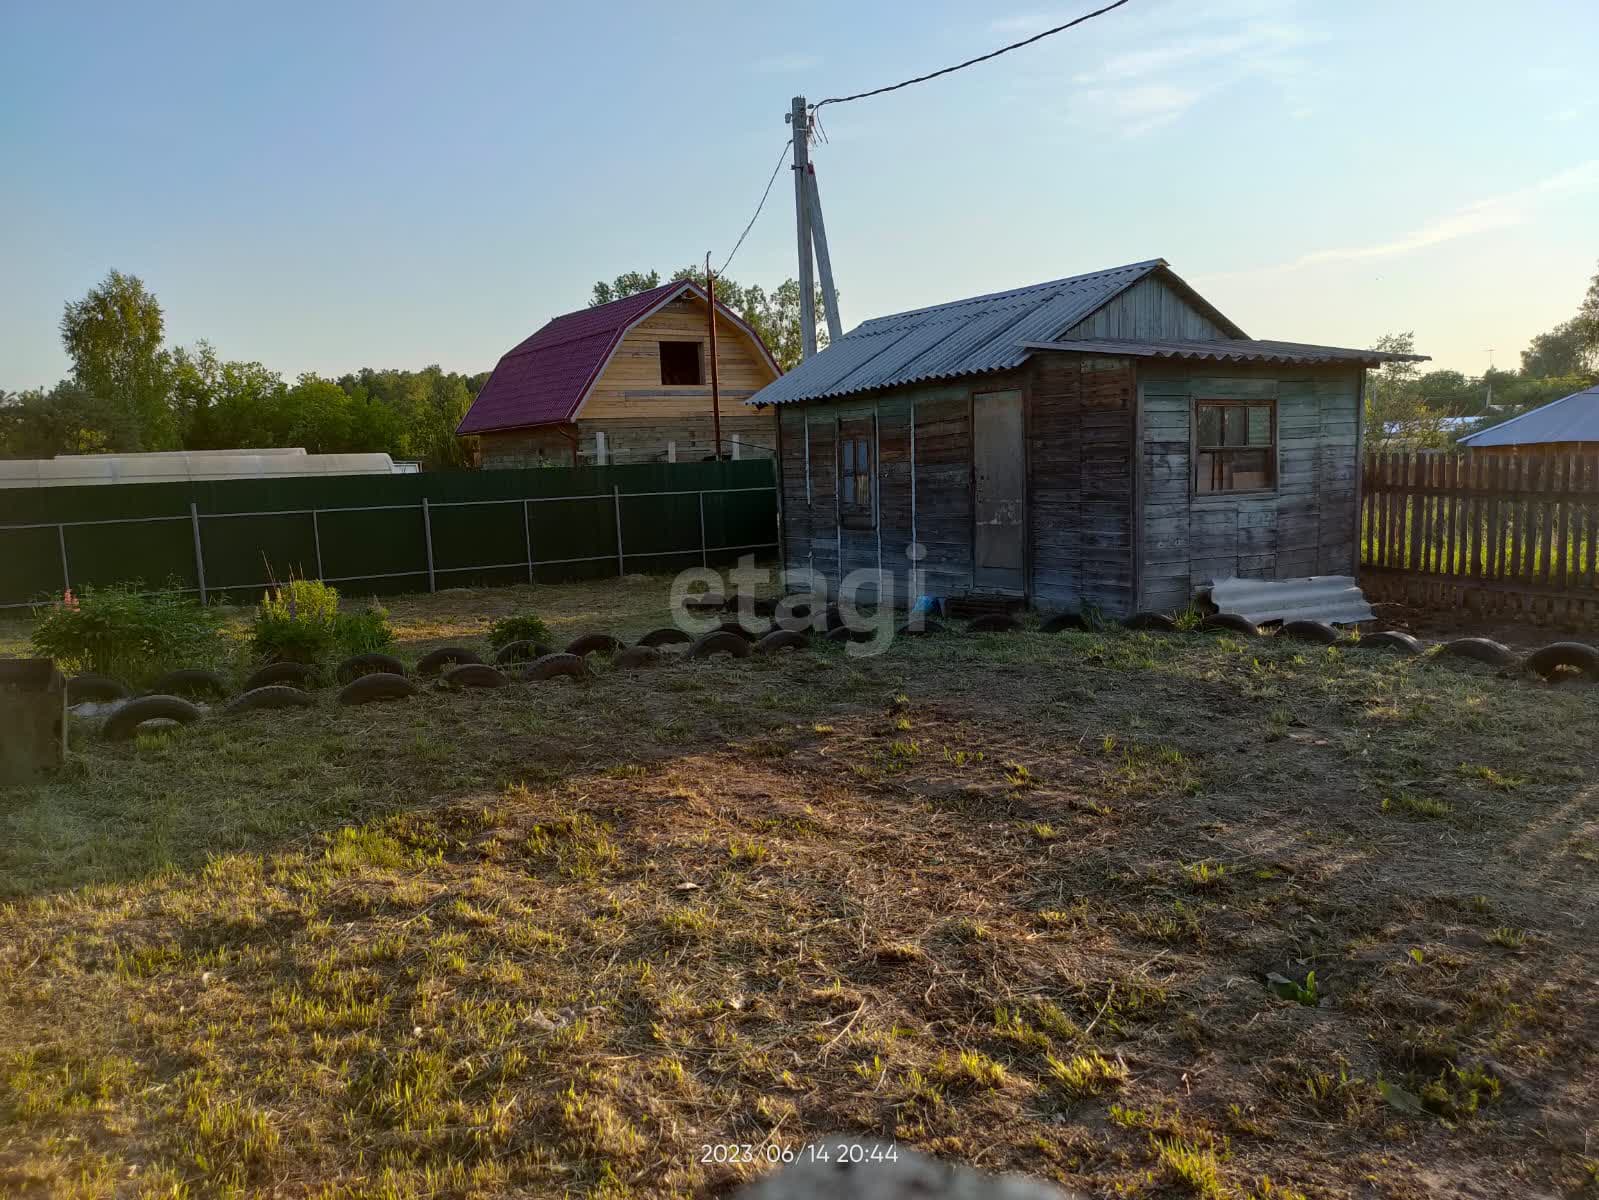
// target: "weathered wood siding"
[[630, 388], [1306, 526], [1079, 456], [1080, 462], [1148, 309], [941, 462]]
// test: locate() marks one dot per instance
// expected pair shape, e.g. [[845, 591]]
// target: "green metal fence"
[[384, 532]]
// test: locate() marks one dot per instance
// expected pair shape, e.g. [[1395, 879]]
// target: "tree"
[[1396, 413], [774, 315], [113, 336], [68, 419], [1561, 351], [1571, 347]]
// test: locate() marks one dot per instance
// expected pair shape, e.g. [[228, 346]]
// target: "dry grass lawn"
[[1151, 915]]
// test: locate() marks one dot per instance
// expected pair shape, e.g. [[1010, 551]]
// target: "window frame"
[[699, 352], [851, 513], [1198, 449]]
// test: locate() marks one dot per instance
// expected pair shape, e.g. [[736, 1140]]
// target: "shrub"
[[520, 627], [300, 621], [117, 631]]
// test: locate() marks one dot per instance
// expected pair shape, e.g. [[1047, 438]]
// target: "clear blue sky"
[[326, 186]]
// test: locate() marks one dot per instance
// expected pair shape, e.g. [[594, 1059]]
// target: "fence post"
[[199, 554], [66, 575], [705, 558], [316, 536], [527, 540], [427, 537], [616, 499]]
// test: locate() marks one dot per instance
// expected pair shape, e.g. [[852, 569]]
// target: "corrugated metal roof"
[[1573, 418], [1227, 350], [1336, 599], [544, 379], [963, 337]]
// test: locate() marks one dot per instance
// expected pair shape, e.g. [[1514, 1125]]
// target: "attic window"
[[1236, 446], [680, 364]]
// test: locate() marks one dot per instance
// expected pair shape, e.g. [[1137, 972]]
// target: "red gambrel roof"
[[545, 379]]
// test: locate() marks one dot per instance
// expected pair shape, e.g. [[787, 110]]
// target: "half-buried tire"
[[594, 643], [738, 629], [1151, 622], [191, 682], [96, 687], [1392, 640], [1319, 632], [1061, 622], [1480, 649], [1574, 656], [437, 661], [719, 641], [554, 666], [272, 695], [994, 623], [292, 674], [368, 664], [1230, 623], [637, 658], [517, 652], [125, 722], [781, 639], [667, 635], [925, 627], [382, 685], [474, 675]]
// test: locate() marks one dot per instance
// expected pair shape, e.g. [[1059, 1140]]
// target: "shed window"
[[1235, 445], [680, 364], [856, 474]]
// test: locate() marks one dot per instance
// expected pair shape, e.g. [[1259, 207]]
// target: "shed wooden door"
[[999, 469]]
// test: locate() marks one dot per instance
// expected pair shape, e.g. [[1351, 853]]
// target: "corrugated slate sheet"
[[964, 337], [1573, 418], [1336, 599], [1252, 350]]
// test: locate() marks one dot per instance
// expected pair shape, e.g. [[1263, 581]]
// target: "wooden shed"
[[1569, 425], [625, 382], [1106, 441]]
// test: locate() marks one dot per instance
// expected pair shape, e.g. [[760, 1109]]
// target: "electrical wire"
[[970, 62], [781, 158]]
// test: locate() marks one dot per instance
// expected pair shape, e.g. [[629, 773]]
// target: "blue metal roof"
[[1573, 418], [964, 337]]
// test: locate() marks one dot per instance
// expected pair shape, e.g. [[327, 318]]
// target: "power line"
[[970, 62], [781, 158]]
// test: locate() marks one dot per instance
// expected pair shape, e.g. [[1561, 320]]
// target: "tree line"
[[1408, 407], [128, 391]]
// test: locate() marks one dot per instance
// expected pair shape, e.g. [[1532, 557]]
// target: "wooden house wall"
[[1080, 463], [1079, 457], [1148, 309], [630, 389], [1306, 526], [941, 521]]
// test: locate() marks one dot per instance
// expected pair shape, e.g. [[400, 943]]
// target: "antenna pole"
[[716, 395]]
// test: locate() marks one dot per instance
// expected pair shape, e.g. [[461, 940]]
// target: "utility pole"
[[799, 120], [824, 261], [716, 395], [1488, 400]]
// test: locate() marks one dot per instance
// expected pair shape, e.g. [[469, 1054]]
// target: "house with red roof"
[[626, 382]]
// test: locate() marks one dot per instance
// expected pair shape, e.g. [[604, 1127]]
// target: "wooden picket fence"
[[1500, 535]]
